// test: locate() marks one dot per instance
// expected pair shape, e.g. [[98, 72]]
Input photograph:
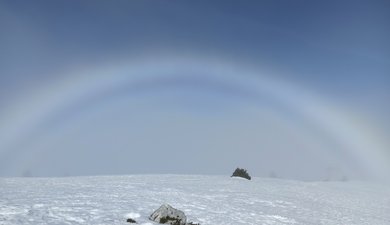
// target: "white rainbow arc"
[[23, 116]]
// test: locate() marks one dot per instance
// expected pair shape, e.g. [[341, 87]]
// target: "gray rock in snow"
[[166, 214]]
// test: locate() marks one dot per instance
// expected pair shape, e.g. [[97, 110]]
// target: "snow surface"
[[214, 200]]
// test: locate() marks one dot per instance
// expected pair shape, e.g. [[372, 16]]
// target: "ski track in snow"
[[209, 200]]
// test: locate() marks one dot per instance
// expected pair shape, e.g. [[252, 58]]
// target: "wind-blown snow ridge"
[[208, 200]]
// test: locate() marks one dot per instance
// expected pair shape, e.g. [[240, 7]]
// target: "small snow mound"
[[133, 215], [239, 178]]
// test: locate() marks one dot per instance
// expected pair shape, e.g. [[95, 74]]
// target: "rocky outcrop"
[[241, 173], [166, 214]]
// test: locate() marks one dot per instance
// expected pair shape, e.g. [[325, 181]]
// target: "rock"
[[130, 220], [166, 214], [241, 173]]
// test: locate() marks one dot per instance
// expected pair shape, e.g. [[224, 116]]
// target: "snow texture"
[[208, 200]]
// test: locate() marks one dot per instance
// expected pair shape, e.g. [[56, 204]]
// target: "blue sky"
[[336, 50]]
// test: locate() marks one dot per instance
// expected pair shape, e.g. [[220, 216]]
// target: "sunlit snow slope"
[[214, 200]]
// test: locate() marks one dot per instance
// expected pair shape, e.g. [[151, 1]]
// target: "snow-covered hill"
[[213, 200]]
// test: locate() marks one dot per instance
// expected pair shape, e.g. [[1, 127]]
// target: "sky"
[[297, 89]]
